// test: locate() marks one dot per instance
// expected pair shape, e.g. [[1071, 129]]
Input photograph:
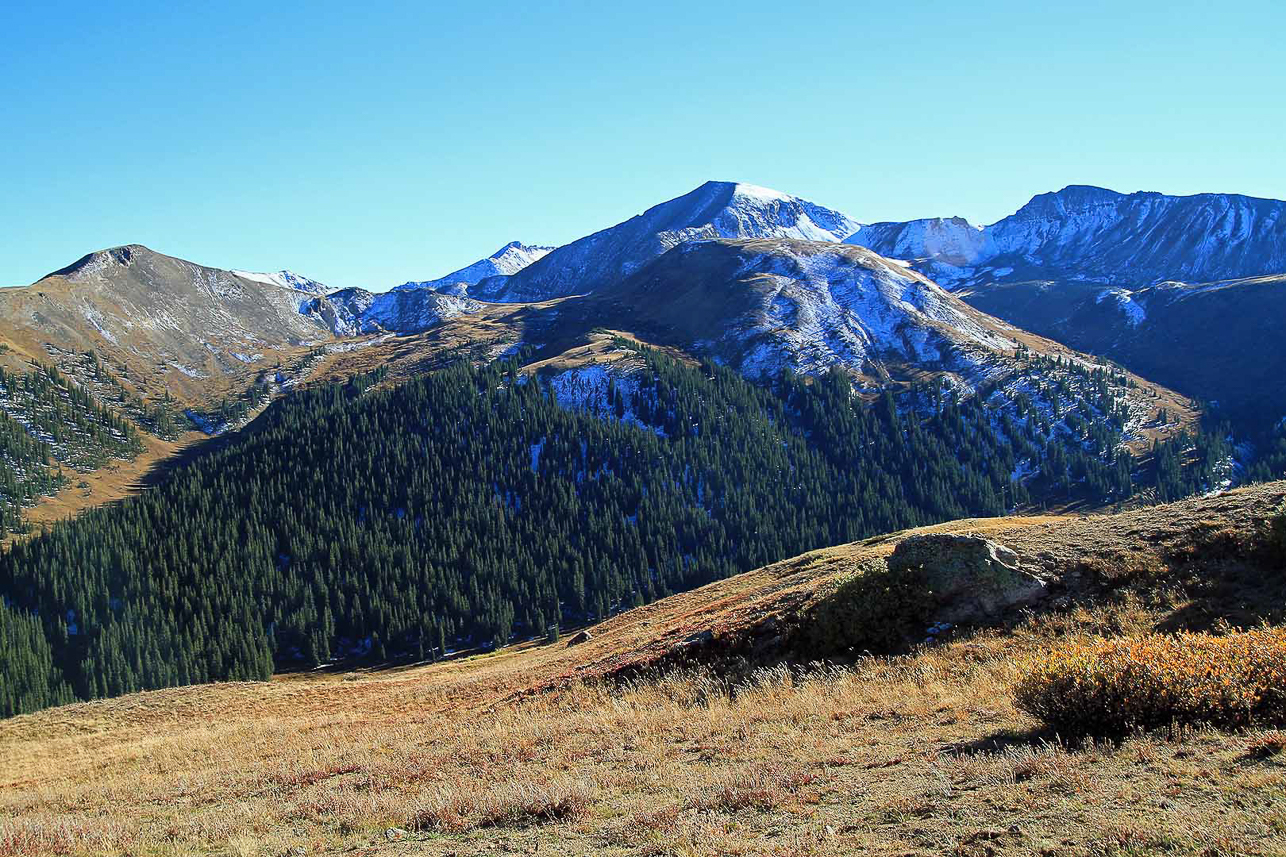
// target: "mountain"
[[714, 210], [286, 280], [944, 248], [1144, 238], [1090, 233], [508, 260], [169, 323], [352, 312], [1185, 290], [775, 308], [1222, 342], [766, 305]]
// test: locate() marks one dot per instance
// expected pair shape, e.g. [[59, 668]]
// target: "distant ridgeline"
[[468, 506]]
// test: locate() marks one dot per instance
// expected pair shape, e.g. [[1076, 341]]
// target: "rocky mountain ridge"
[[713, 210], [1093, 234]]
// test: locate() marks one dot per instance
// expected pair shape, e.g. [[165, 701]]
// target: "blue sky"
[[364, 145]]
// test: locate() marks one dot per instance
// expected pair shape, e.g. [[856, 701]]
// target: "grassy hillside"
[[541, 748]]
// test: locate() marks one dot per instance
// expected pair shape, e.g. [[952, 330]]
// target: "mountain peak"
[[121, 255], [1071, 199], [508, 260], [517, 250], [742, 189], [714, 210], [754, 191], [286, 280]]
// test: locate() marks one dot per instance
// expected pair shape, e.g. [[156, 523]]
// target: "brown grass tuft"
[[520, 803], [762, 787]]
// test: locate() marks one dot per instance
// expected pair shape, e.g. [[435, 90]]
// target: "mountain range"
[[752, 277], [1186, 290], [714, 210], [1096, 235], [549, 435]]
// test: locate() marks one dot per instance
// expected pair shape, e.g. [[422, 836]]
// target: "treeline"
[[467, 506], [48, 421], [161, 416]]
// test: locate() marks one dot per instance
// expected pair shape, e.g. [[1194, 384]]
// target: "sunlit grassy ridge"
[[544, 747]]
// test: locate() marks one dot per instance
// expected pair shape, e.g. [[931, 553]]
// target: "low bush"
[[1114, 687], [879, 610]]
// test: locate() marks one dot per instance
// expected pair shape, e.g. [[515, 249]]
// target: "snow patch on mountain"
[[508, 260], [416, 311], [715, 210], [1096, 235], [951, 241], [286, 280], [354, 312], [589, 388], [1134, 312], [825, 306]]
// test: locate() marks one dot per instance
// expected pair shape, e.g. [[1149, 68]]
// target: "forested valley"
[[466, 507]]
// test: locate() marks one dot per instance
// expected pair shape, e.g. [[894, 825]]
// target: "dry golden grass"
[[915, 755], [922, 754]]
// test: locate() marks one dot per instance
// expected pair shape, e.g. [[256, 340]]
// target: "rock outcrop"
[[970, 578]]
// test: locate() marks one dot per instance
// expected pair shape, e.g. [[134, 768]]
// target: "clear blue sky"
[[367, 144]]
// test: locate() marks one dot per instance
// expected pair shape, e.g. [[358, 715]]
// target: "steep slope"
[[508, 260], [171, 324], [1223, 342], [1089, 233], [763, 306], [353, 312], [714, 210]]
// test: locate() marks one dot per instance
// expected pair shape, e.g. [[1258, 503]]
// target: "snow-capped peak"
[[754, 191], [1093, 234], [285, 280], [514, 256], [716, 209], [508, 260]]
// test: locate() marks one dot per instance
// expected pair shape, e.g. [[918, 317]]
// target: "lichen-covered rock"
[[969, 578]]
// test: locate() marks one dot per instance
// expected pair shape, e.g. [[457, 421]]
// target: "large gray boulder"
[[971, 578]]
